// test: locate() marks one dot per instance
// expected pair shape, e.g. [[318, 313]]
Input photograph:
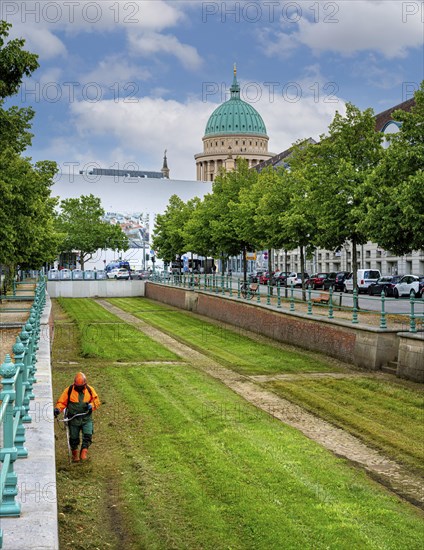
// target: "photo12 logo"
[[291, 92], [270, 12], [70, 12], [70, 92]]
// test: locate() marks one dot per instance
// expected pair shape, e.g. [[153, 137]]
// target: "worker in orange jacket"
[[79, 400]]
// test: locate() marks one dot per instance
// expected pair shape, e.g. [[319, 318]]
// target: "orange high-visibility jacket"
[[62, 402]]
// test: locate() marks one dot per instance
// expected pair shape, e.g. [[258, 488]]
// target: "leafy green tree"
[[27, 234], [270, 199], [15, 63], [395, 201], [83, 229], [197, 233], [227, 226], [338, 169], [298, 219], [168, 234]]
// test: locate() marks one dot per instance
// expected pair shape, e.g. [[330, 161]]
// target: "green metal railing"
[[234, 287], [17, 379]]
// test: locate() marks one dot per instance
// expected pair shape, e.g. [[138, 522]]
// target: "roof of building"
[[278, 160], [381, 120], [386, 116], [235, 116], [124, 173]]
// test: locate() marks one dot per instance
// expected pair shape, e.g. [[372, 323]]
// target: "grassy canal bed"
[[230, 347], [180, 461]]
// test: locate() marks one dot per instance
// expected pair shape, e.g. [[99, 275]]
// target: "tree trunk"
[[302, 269], [270, 269], [355, 270], [244, 265]]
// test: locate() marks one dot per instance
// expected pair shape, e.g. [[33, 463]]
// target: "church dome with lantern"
[[234, 129]]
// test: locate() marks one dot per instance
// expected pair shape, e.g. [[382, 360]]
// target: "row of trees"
[[348, 187], [32, 231]]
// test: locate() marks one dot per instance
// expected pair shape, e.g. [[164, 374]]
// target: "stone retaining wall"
[[411, 356], [95, 289], [364, 346]]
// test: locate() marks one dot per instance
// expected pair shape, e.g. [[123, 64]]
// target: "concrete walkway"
[[37, 527]]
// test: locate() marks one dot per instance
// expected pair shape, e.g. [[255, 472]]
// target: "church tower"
[[165, 169], [234, 129]]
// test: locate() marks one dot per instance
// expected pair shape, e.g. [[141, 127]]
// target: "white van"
[[365, 278]]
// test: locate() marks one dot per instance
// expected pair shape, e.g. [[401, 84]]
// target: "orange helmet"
[[80, 381]]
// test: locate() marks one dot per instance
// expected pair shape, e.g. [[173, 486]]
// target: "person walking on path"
[[79, 400]]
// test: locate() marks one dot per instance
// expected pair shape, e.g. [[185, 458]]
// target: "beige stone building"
[[234, 129]]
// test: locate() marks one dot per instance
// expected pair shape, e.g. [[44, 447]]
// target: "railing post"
[[278, 294], [238, 288], [223, 285], [309, 300], [231, 286], [18, 352], [383, 323], [268, 294], [330, 303], [29, 358], [412, 325], [355, 307], [24, 337], [291, 297], [9, 453]]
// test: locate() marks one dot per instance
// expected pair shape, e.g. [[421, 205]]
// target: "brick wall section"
[[310, 334], [332, 340], [166, 294]]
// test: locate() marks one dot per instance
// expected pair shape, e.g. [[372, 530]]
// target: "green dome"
[[235, 116]]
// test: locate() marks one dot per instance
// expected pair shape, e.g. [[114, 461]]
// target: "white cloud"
[[386, 27], [40, 40], [40, 22], [115, 68], [144, 129], [140, 132], [151, 43]]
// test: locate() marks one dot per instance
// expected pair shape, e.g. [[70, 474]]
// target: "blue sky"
[[120, 81]]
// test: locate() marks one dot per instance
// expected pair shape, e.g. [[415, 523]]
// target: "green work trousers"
[[87, 430]]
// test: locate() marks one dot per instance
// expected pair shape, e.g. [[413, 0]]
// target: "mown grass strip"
[[385, 415], [231, 347], [103, 335], [186, 463], [180, 461]]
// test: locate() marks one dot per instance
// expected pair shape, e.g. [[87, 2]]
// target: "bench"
[[321, 299]]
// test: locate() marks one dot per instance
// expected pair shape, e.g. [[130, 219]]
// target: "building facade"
[[370, 255], [234, 129]]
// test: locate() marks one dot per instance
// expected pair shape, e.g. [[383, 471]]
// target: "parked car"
[[330, 280], [254, 277], [116, 265], [421, 286], [118, 273], [340, 279], [384, 284], [279, 278], [409, 285], [365, 278], [264, 278], [317, 280], [296, 279], [142, 274]]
